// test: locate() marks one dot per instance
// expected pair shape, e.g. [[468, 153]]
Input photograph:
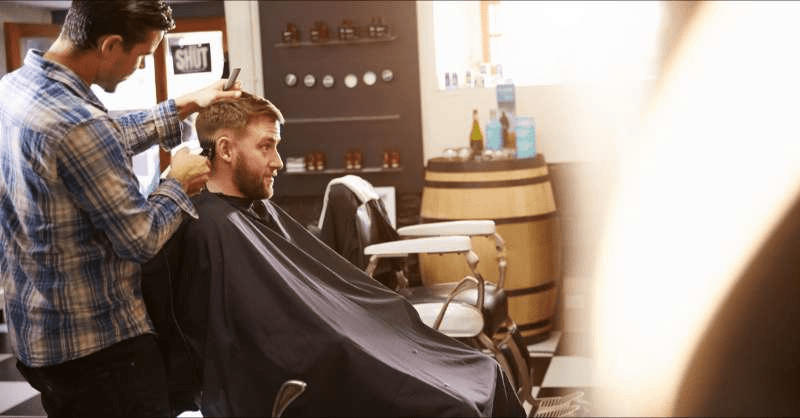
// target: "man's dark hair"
[[88, 20]]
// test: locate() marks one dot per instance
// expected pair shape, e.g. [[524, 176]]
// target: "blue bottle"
[[494, 132], [526, 137]]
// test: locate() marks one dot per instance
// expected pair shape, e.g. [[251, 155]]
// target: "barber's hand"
[[197, 100], [190, 170]]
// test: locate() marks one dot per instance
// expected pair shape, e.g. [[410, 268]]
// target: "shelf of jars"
[[320, 34], [333, 42]]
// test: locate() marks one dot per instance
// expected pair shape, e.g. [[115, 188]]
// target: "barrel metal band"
[[530, 290], [535, 325], [486, 184], [450, 166], [501, 221]]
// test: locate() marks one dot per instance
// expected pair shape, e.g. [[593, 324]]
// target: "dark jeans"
[[125, 380]]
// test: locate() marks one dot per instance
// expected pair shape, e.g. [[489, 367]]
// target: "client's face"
[[257, 160]]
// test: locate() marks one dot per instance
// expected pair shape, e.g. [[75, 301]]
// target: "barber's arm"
[[190, 170], [142, 129], [91, 165], [197, 100]]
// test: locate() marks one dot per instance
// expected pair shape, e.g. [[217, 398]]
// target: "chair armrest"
[[470, 227], [467, 227], [402, 248]]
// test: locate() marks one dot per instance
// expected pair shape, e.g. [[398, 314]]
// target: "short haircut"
[[233, 114], [88, 20]]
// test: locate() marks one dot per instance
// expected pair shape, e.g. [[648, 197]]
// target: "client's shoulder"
[[210, 205]]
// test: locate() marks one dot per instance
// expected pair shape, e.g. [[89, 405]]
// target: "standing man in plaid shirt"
[[74, 227]]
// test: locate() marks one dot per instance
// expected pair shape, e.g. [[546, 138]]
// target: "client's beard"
[[251, 185]]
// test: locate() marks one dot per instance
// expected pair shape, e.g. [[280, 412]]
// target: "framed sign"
[[194, 58]]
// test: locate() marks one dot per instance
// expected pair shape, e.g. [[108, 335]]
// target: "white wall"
[[16, 13], [573, 122], [244, 43]]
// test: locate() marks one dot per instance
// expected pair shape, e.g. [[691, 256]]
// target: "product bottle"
[[475, 136], [494, 132], [509, 140], [526, 137]]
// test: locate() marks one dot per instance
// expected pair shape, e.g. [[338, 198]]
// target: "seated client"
[[244, 298]]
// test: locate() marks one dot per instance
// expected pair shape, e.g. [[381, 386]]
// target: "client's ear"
[[223, 148]]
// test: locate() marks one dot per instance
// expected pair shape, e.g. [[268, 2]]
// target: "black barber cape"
[[240, 307]]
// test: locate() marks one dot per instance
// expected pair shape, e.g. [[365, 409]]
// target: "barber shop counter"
[[518, 196]]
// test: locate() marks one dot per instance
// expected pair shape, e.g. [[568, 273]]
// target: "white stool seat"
[[460, 321]]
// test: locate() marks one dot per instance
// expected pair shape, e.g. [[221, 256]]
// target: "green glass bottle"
[[476, 136]]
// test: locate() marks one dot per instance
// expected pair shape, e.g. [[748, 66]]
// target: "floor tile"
[[547, 346], [568, 371], [8, 370], [5, 343], [32, 408], [540, 366], [574, 344], [15, 393]]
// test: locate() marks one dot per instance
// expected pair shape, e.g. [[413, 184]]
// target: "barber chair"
[[499, 331], [472, 309]]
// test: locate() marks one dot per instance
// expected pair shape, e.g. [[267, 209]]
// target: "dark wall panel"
[[334, 120]]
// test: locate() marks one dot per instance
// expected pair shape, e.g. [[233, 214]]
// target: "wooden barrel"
[[518, 196]]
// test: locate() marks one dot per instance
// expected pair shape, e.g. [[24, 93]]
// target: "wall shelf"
[[334, 42], [345, 171]]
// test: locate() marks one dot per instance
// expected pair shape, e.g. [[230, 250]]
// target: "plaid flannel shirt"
[[73, 226]]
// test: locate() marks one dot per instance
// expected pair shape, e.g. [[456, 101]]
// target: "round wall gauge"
[[309, 80], [328, 81], [387, 75], [369, 78], [290, 79], [350, 80]]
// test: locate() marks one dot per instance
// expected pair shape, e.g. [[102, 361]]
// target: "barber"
[[74, 226]]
